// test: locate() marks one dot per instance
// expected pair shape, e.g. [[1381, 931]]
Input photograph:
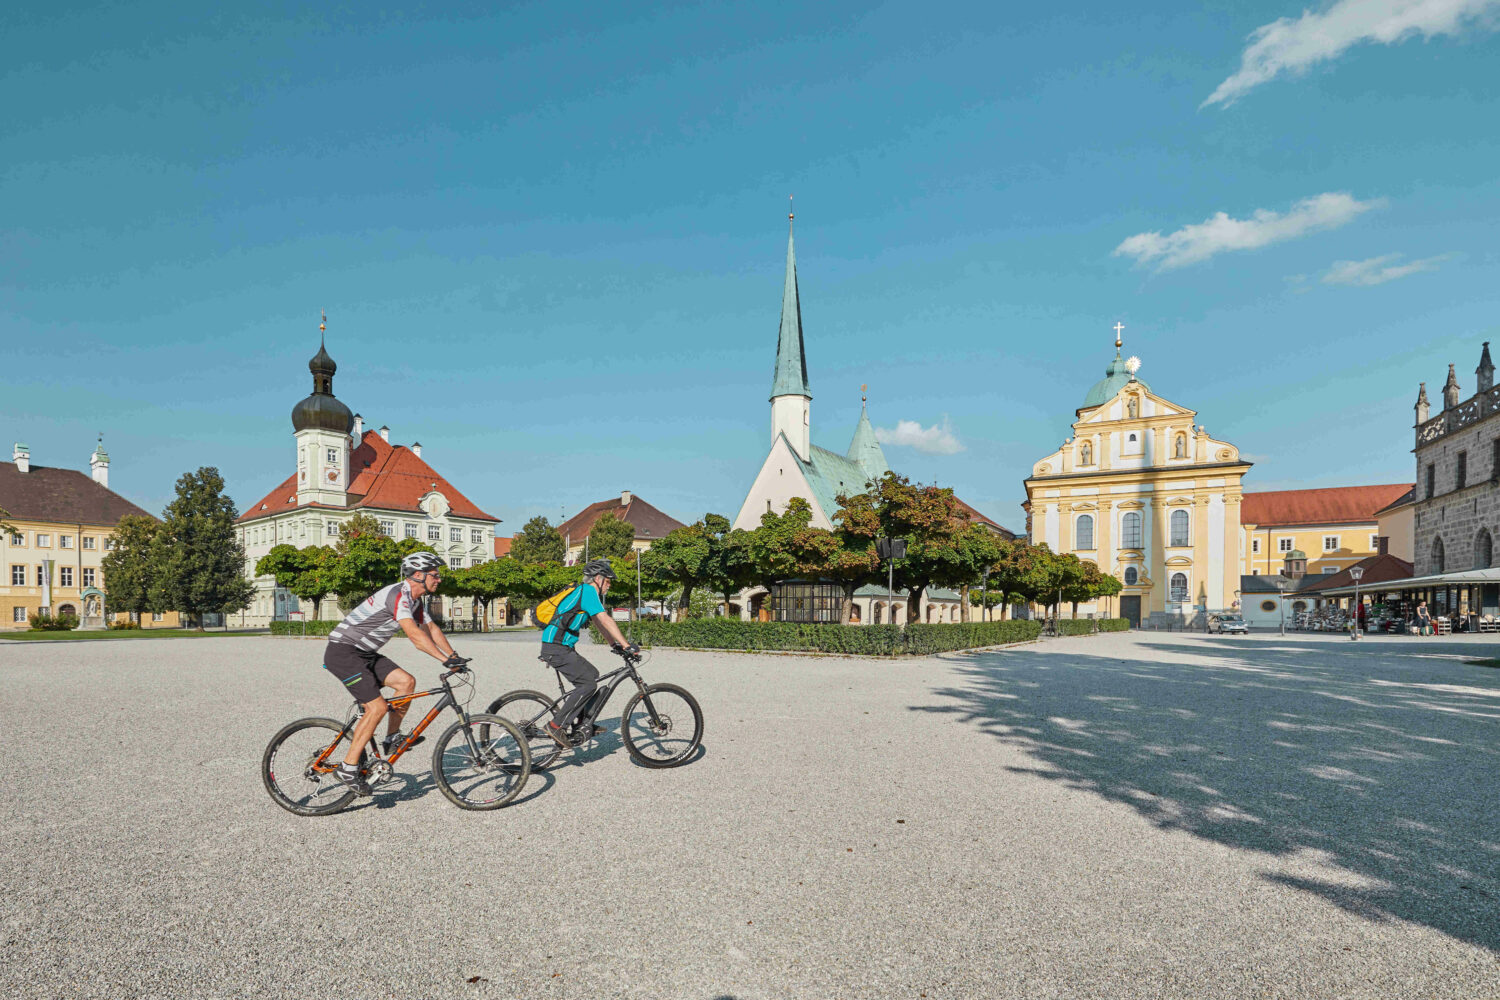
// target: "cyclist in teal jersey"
[[584, 603]]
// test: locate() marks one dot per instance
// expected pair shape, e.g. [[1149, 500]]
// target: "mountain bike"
[[479, 762], [661, 726]]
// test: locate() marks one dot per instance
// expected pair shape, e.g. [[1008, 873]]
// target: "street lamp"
[[1281, 582], [1356, 572]]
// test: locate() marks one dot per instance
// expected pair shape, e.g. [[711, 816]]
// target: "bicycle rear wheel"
[[663, 728], [482, 763], [297, 768], [531, 711]]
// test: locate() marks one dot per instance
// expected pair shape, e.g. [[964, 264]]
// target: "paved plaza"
[[1135, 815]]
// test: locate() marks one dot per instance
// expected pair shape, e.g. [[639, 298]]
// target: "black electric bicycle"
[[480, 762], [661, 726]]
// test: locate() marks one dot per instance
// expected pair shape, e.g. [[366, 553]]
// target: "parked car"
[[1228, 625]]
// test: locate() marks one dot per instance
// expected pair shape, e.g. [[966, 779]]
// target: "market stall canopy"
[[1434, 582]]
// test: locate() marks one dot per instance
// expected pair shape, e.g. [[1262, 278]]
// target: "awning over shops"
[[1436, 581]]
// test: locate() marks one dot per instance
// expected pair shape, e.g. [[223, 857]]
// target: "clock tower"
[[322, 426]]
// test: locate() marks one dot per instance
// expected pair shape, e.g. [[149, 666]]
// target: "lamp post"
[[1281, 587], [1356, 572], [986, 598]]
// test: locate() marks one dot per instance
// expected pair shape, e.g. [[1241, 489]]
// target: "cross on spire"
[[1119, 338]]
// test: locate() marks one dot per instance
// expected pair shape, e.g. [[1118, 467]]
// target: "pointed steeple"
[[1486, 370], [1451, 392], [1423, 407], [865, 450], [791, 358]]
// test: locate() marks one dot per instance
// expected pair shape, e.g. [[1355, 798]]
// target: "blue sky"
[[550, 238]]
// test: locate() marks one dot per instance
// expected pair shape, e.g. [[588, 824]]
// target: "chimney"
[[416, 449], [385, 434], [99, 464], [1383, 545], [22, 455], [625, 498], [359, 427]]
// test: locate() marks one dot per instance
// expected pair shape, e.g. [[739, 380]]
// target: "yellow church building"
[[1141, 490]]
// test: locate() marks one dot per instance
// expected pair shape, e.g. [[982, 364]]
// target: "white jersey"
[[375, 620]]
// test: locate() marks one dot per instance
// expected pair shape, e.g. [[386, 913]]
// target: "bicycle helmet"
[[599, 567], [420, 562]]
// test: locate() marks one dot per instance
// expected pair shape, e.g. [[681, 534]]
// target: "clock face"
[[332, 475]]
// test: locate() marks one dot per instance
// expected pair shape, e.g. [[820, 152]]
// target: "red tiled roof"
[[1336, 505], [387, 477], [1378, 569], [502, 547], [975, 517], [646, 519], [62, 496]]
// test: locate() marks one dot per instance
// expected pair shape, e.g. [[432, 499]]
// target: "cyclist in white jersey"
[[353, 655]]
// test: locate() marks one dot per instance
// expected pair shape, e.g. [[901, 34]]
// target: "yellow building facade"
[[1335, 526], [1141, 490]]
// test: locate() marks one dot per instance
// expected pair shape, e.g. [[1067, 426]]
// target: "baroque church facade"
[[343, 469], [1141, 490]]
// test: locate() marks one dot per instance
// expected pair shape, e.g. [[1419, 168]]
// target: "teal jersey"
[[585, 599]]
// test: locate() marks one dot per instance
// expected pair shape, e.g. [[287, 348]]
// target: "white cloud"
[[1293, 46], [935, 440], [1196, 243], [1378, 270]]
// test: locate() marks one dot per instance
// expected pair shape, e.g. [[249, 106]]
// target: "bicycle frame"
[[444, 688], [607, 684]]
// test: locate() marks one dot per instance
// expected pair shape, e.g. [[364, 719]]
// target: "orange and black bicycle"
[[480, 762]]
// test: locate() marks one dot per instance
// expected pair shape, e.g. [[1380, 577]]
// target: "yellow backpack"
[[547, 610]]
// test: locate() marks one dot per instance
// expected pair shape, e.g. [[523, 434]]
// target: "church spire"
[[865, 449], [1486, 369], [791, 357]]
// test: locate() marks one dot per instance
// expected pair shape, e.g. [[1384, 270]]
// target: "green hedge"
[[303, 628], [867, 640], [1075, 626], [1114, 624], [44, 622]]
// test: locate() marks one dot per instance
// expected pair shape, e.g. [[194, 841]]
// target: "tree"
[[128, 568], [202, 560], [928, 517], [1081, 581], [5, 526], [489, 582], [369, 561], [787, 547], [359, 525], [308, 573], [1023, 571], [1109, 586], [610, 537], [538, 542], [679, 557]]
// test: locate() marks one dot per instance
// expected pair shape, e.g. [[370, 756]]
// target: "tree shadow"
[[1373, 765]]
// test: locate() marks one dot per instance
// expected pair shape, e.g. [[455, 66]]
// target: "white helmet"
[[420, 562]]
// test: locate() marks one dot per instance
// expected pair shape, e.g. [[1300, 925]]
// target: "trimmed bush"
[[124, 625], [303, 628], [1114, 624], [45, 622], [863, 640], [1075, 626]]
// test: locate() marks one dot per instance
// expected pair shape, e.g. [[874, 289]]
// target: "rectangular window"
[[66, 541], [18, 576], [1462, 475], [88, 542], [156, 616], [109, 544], [457, 562], [88, 577], [331, 528], [66, 576], [333, 456], [1374, 543], [476, 535], [388, 528], [1255, 545], [1330, 543], [434, 533], [18, 540], [301, 529], [18, 614], [411, 530], [1255, 572], [43, 541], [1431, 479], [1283, 545], [41, 576], [1330, 569], [455, 534]]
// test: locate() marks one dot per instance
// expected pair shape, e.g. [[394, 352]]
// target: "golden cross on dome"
[[322, 325], [1118, 338]]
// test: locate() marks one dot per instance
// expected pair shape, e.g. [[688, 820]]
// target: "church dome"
[[321, 411], [1116, 376]]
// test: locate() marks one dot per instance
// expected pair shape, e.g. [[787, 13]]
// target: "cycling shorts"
[[361, 671]]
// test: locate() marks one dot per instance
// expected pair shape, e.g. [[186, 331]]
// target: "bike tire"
[[305, 797], [483, 784], [650, 746], [531, 711]]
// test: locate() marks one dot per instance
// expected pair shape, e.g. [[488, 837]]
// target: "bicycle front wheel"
[[481, 763], [298, 765], [663, 727]]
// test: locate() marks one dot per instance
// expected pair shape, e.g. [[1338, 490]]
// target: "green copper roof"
[[865, 451], [791, 359], [1115, 378], [829, 474]]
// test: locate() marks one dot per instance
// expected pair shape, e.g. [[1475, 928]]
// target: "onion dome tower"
[[322, 425]]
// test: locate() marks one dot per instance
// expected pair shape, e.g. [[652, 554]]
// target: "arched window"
[[1181, 450], [1179, 528], [1084, 532], [1132, 576], [1268, 605], [1086, 454], [1132, 408], [878, 613], [1179, 587], [1484, 549], [1130, 530], [1437, 555], [1299, 606]]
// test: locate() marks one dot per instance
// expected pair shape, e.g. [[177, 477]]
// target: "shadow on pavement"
[[1383, 760]]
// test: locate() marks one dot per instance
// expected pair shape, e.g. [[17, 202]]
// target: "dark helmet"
[[599, 567], [421, 562]]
